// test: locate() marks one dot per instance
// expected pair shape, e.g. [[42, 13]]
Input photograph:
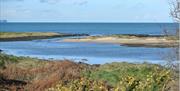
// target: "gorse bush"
[[83, 84], [155, 80], [114, 72]]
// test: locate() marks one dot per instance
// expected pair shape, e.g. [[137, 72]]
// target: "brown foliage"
[[40, 78]]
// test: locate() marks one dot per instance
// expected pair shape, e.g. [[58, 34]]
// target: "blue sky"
[[85, 10]]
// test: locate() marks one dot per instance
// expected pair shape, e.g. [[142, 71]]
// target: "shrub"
[[142, 78], [7, 59]]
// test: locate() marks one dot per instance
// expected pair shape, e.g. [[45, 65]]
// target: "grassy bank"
[[30, 74], [19, 36]]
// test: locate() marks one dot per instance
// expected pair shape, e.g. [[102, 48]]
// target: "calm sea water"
[[94, 52], [90, 28]]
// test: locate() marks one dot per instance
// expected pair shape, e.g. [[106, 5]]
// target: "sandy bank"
[[130, 41]]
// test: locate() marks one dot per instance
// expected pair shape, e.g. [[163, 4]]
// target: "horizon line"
[[77, 22]]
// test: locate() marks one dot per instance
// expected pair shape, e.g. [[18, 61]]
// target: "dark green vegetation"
[[30, 74], [23, 36]]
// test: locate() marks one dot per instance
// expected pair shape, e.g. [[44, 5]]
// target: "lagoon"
[[95, 53]]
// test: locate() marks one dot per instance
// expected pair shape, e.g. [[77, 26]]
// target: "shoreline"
[[131, 40], [27, 36], [91, 60]]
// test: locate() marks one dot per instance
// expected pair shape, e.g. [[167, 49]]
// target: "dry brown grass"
[[41, 78]]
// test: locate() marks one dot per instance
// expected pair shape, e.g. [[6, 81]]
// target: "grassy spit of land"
[[132, 40], [31, 74], [21, 36]]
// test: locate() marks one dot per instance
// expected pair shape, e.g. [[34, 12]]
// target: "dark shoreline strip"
[[28, 38], [152, 45], [139, 35]]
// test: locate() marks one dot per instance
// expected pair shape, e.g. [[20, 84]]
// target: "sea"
[[92, 53]]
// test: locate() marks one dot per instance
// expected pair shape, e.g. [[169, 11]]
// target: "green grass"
[[114, 72], [7, 59], [121, 77], [25, 34], [22, 62]]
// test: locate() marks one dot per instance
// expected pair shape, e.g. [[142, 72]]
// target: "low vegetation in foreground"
[[30, 74]]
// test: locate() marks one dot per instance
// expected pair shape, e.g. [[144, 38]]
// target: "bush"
[[7, 59], [120, 77]]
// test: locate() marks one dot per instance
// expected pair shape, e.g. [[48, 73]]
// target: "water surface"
[[91, 28], [93, 52]]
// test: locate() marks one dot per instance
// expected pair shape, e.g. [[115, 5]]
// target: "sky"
[[85, 10]]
